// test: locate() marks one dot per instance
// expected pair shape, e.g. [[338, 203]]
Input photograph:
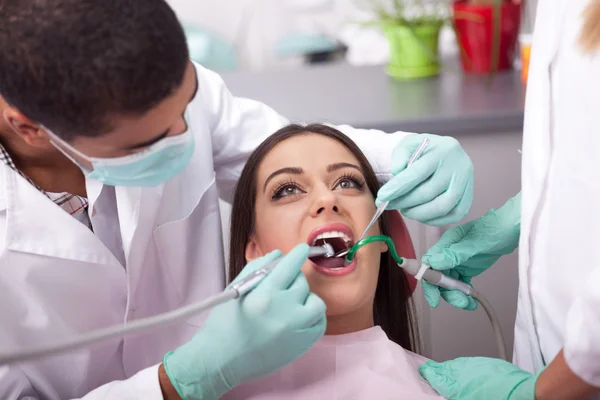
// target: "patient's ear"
[[253, 250], [383, 247]]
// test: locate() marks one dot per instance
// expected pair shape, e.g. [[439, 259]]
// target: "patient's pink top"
[[360, 365]]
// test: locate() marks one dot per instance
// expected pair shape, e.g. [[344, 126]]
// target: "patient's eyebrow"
[[287, 170], [337, 166]]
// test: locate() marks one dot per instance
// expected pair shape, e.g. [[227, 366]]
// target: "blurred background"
[[258, 34]]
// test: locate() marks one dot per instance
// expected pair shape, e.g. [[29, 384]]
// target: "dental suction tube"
[[440, 279], [235, 291], [421, 271]]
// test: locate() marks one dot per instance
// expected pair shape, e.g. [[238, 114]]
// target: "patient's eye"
[[285, 190], [350, 182], [347, 184]]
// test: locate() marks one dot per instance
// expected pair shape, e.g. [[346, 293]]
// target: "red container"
[[474, 29]]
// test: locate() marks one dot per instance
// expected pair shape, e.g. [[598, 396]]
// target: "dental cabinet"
[[485, 114]]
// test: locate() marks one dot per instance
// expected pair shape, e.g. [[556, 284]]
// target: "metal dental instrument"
[[237, 290], [384, 205]]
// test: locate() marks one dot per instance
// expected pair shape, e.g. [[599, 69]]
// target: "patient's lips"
[[340, 237]]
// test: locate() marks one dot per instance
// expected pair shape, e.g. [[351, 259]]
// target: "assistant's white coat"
[[559, 298]]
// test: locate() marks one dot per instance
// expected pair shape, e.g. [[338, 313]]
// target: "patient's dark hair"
[[393, 309], [71, 65]]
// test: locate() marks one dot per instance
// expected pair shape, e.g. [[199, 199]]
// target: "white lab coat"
[[58, 279], [559, 295]]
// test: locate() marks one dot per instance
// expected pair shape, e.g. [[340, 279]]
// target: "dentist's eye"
[[285, 190], [350, 182]]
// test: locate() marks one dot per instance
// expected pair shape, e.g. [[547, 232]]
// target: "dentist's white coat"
[[58, 279], [559, 297]]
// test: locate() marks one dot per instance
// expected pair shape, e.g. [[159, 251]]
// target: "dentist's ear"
[[28, 130], [253, 250]]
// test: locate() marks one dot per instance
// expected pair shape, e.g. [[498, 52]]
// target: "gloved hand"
[[469, 249], [437, 189], [479, 378], [273, 325]]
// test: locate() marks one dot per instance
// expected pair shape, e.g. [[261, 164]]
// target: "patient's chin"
[[348, 298], [335, 307], [348, 309]]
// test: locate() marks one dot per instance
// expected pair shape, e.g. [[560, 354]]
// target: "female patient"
[[312, 184]]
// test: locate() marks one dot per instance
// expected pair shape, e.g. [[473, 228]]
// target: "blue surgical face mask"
[[149, 167]]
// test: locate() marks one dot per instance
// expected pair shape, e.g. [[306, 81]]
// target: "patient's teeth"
[[333, 234]]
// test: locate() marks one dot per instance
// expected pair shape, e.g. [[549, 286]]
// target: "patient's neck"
[[356, 321]]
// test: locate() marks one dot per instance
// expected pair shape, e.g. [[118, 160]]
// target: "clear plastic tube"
[[233, 292], [118, 331]]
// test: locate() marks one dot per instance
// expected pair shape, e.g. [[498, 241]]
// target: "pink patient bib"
[[361, 365]]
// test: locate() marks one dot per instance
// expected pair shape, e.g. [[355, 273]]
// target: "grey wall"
[[449, 332]]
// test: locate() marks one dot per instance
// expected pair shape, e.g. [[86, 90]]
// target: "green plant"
[[407, 12], [496, 4]]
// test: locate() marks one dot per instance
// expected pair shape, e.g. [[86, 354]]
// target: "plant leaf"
[[496, 32]]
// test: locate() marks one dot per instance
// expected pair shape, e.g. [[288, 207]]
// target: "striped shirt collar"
[[75, 205]]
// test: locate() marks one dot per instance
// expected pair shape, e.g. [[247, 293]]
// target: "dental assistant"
[[555, 221], [115, 149]]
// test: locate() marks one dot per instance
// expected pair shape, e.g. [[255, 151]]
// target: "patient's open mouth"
[[339, 236]]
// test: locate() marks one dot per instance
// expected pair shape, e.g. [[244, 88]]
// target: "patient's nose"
[[325, 202]]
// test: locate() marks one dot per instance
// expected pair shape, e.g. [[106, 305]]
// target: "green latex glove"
[[479, 378], [469, 249], [437, 189], [243, 340]]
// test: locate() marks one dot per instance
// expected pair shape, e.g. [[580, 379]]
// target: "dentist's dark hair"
[[73, 65], [393, 308]]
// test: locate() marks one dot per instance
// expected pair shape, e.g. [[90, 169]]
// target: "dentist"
[[556, 218], [115, 149]]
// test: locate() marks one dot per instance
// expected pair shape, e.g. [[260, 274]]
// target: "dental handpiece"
[[248, 283], [235, 291]]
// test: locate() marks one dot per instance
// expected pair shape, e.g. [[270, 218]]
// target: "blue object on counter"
[[299, 44], [210, 50]]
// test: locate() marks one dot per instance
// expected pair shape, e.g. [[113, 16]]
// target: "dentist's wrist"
[[558, 382], [166, 386]]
